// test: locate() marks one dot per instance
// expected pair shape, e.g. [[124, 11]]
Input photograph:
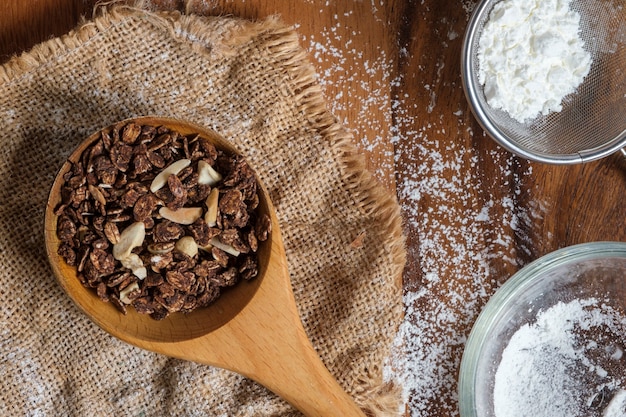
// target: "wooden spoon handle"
[[266, 342], [290, 367], [303, 380], [278, 355], [283, 361]]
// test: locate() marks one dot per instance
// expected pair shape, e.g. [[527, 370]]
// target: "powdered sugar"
[[617, 406], [531, 56], [564, 364]]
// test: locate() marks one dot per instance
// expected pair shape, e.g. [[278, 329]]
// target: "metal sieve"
[[592, 123]]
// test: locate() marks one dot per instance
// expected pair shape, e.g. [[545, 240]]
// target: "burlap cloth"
[[252, 82]]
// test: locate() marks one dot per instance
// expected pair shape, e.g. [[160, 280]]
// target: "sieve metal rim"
[[472, 91]]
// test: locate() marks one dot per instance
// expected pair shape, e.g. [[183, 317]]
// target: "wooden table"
[[474, 214]]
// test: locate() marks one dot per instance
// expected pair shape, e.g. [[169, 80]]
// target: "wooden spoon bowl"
[[252, 329]]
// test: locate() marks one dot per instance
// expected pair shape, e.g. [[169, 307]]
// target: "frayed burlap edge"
[[378, 398]]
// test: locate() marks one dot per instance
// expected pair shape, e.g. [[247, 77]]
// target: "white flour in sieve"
[[531, 56], [569, 363]]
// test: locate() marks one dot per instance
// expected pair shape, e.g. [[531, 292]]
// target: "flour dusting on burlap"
[[251, 82]]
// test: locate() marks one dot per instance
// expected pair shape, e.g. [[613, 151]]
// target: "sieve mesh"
[[592, 123]]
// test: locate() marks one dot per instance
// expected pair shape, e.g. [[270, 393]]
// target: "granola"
[[159, 221]]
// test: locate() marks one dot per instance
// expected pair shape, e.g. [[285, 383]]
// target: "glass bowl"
[[551, 341]]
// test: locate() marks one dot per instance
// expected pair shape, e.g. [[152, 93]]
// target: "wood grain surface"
[[474, 214]]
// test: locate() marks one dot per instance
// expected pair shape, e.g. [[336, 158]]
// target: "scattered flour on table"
[[434, 171], [341, 68], [565, 364], [460, 238], [531, 56]]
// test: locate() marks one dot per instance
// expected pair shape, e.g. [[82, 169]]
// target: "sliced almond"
[[130, 238], [185, 215], [135, 264], [161, 179], [187, 245], [124, 293], [207, 175], [223, 246], [97, 194], [211, 203]]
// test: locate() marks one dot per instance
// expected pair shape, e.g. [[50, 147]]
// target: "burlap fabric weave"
[[251, 82]]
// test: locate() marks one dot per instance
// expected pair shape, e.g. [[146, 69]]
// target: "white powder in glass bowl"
[[569, 363], [531, 56]]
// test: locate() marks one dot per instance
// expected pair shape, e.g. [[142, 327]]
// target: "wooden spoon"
[[253, 329]]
